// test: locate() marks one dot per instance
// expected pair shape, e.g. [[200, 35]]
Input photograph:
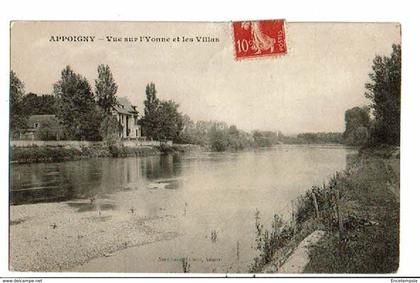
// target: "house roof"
[[124, 106]]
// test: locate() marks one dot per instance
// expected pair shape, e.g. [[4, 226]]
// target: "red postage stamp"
[[259, 38]]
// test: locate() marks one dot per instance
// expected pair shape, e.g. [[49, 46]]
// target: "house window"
[[36, 125]]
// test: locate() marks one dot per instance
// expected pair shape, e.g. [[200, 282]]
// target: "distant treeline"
[[161, 120], [85, 114], [367, 126], [313, 138], [219, 136]]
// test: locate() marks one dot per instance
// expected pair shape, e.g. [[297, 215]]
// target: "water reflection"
[[31, 183]]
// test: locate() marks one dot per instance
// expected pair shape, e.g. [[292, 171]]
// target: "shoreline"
[[59, 236], [62, 153], [362, 238], [47, 154]]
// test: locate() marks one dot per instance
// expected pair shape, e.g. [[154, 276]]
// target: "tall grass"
[[305, 219], [185, 265], [269, 241]]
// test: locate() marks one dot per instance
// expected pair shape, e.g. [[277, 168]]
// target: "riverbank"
[[58, 236], [359, 212], [36, 154]]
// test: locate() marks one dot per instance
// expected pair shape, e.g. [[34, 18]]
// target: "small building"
[[41, 127], [127, 116]]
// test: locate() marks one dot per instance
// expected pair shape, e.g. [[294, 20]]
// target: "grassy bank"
[[359, 211], [371, 216], [35, 154]]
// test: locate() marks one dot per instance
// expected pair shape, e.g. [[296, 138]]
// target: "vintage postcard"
[[205, 147]]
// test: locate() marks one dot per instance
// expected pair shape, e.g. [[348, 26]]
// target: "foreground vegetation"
[[369, 242], [358, 209]]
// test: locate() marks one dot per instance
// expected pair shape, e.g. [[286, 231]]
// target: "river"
[[213, 196]]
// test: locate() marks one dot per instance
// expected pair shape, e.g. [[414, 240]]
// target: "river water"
[[213, 195]]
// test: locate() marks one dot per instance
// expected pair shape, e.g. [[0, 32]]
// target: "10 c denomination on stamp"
[[259, 38]]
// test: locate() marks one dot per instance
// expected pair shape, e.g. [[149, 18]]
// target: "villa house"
[[127, 116]]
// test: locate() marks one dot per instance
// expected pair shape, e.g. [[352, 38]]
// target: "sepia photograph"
[[244, 147]]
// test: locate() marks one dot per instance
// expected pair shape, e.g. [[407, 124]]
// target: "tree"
[[188, 131], [218, 139], [18, 117], [150, 121], [34, 104], [265, 138], [233, 131], [187, 123], [49, 130], [105, 89], [76, 108], [357, 124], [161, 120], [109, 129], [384, 91], [170, 121]]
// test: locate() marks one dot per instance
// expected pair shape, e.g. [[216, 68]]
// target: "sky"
[[307, 90]]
